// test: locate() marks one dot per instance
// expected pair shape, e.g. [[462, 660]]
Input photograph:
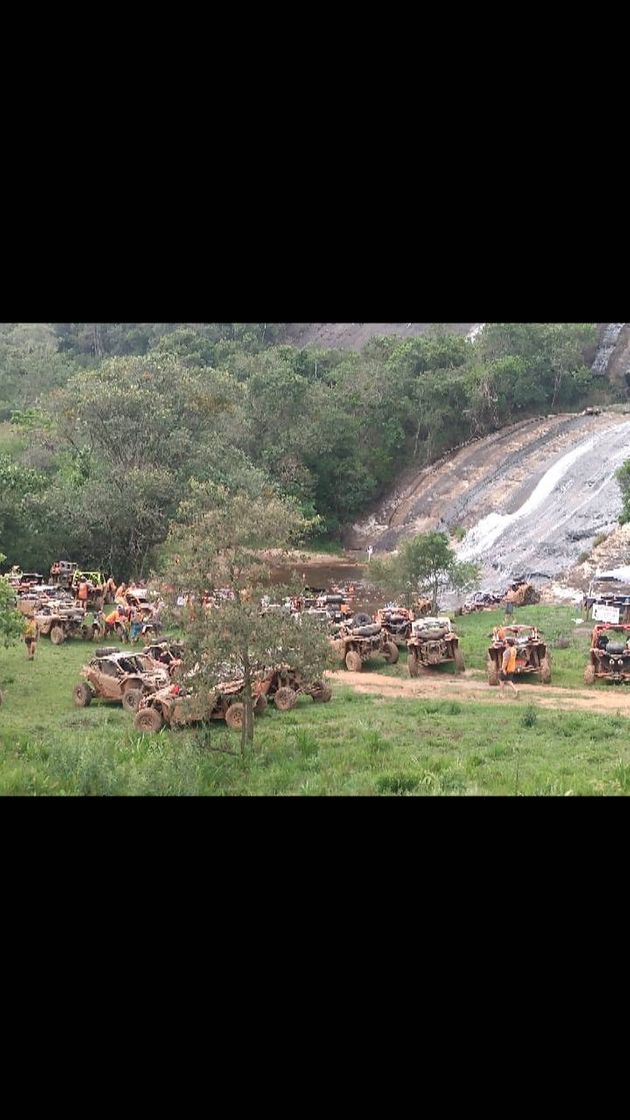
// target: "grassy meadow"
[[356, 745]]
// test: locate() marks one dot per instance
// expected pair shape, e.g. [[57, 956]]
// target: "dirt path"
[[472, 686]]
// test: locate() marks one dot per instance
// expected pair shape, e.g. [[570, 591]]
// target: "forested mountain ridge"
[[105, 425]]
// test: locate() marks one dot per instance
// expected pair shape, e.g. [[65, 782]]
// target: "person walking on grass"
[[508, 666], [31, 635]]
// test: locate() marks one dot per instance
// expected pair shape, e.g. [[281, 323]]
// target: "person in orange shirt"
[[116, 616], [508, 666]]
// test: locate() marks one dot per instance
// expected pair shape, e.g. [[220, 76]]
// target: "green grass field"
[[356, 745]]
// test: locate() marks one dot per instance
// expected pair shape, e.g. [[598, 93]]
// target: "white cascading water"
[[476, 330], [606, 347], [486, 532]]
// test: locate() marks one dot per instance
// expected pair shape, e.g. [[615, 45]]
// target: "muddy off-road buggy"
[[532, 655], [609, 655], [433, 642], [177, 706], [353, 644], [62, 573], [284, 686], [397, 622], [114, 675], [168, 652], [60, 622]]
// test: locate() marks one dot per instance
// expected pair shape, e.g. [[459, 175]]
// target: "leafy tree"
[[11, 620], [424, 565], [217, 543], [623, 477]]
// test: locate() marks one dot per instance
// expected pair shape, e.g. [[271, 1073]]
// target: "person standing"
[[83, 593], [508, 666], [31, 635]]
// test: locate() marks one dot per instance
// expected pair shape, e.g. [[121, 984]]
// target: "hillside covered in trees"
[[104, 425]]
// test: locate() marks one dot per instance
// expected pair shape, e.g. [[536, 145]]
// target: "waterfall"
[[606, 347]]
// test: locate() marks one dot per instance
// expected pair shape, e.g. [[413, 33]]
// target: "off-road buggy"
[[397, 622], [168, 652], [60, 622], [532, 655], [609, 655], [115, 675], [284, 686], [354, 644], [177, 706], [433, 642], [62, 573]]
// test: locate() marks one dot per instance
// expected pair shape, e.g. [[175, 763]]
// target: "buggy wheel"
[[413, 664], [86, 633], [57, 635], [234, 716], [148, 719], [390, 653], [82, 695], [459, 660], [338, 648], [589, 674], [131, 698], [104, 651], [321, 693], [285, 699], [261, 704], [493, 672], [545, 670], [353, 661]]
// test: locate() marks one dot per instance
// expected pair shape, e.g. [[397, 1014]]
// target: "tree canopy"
[[102, 426]]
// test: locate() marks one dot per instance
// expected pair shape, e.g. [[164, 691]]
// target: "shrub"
[[396, 783], [530, 716]]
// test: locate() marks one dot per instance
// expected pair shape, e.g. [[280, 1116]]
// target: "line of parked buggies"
[[143, 683]]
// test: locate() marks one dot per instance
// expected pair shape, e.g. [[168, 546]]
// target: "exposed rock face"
[[531, 497], [354, 336]]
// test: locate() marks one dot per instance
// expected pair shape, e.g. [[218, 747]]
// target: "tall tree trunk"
[[247, 731]]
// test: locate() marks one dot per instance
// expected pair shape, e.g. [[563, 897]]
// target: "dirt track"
[[472, 686]]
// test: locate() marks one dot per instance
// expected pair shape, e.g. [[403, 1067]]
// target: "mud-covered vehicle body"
[[532, 655], [609, 655], [284, 685], [177, 706], [353, 644], [433, 642], [58, 622], [62, 573], [397, 621], [115, 675]]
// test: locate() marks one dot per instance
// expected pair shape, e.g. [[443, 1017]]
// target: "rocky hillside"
[[353, 336], [530, 498]]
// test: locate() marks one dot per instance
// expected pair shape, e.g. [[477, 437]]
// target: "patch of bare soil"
[[472, 687]]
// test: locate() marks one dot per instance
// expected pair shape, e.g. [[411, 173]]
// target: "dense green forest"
[[103, 425]]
